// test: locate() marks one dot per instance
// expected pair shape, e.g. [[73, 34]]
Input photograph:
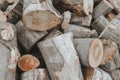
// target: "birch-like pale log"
[[79, 31], [27, 37], [102, 8], [62, 61], [35, 74], [40, 15], [90, 51]]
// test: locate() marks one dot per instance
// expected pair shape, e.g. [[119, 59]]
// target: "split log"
[[9, 52], [35, 74], [100, 23], [60, 64], [95, 34], [53, 33], [80, 7], [28, 62], [40, 15], [115, 74], [79, 32], [2, 17], [102, 8], [96, 74], [27, 37], [110, 50], [81, 20], [111, 16], [66, 20], [90, 51]]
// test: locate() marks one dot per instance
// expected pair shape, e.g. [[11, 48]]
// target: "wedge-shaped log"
[[96, 74], [62, 61], [27, 37], [35, 74], [90, 51], [40, 15], [102, 8]]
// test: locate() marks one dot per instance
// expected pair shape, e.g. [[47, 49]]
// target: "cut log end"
[[40, 20], [28, 62], [95, 53]]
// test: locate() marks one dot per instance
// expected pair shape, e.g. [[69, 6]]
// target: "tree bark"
[[36, 74], [90, 51], [60, 64], [27, 37], [79, 31], [44, 15], [102, 8]]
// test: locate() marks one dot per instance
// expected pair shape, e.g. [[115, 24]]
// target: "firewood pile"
[[59, 39]]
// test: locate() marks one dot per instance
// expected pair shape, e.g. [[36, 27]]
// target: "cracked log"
[[90, 51], [40, 15], [9, 52], [62, 61], [27, 37], [35, 74]]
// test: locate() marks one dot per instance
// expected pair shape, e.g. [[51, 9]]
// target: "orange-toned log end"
[[110, 50], [95, 53], [40, 20], [28, 62], [88, 73]]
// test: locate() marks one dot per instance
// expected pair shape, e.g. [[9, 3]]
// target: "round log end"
[[40, 20], [95, 53], [28, 62]]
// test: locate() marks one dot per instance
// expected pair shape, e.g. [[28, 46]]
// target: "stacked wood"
[[62, 61], [36, 74], [90, 51], [40, 15], [28, 37]]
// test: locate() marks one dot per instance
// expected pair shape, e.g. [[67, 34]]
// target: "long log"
[[60, 64], [9, 52], [79, 31], [90, 51], [35, 74], [40, 15], [110, 50], [96, 74], [27, 37], [102, 8]]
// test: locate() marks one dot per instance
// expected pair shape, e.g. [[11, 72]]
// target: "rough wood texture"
[[62, 61], [81, 7], [96, 74], [102, 8], [110, 50], [27, 37], [2, 16], [82, 21], [90, 51], [78, 31], [115, 74], [9, 56], [44, 15], [111, 16], [35, 74]]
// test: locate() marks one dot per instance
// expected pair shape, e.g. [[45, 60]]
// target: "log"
[[60, 64], [110, 50], [96, 2], [81, 20], [2, 17], [111, 16], [27, 37], [35, 74], [3, 5], [115, 74], [90, 51], [53, 33], [96, 74], [102, 8], [28, 62], [95, 34], [80, 7], [79, 31], [66, 20], [9, 53], [44, 15]]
